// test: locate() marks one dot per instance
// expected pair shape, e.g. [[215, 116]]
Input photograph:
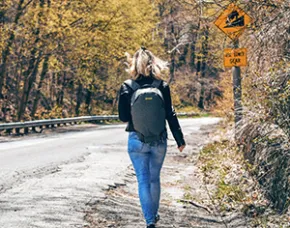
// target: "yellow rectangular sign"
[[235, 57]]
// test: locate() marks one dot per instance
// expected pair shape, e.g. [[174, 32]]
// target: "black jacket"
[[124, 108]]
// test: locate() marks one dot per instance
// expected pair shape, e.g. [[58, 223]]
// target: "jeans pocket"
[[134, 144], [162, 147]]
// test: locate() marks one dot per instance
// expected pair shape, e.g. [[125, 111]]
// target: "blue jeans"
[[147, 160]]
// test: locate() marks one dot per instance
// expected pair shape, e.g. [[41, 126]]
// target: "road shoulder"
[[185, 200]]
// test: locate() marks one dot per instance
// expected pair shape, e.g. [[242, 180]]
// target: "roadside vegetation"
[[237, 185]]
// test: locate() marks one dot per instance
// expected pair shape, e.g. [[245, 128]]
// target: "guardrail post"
[[26, 130], [17, 131]]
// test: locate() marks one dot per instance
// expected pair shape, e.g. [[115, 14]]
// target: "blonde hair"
[[145, 63]]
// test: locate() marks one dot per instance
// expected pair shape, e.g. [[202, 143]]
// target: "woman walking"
[[145, 103]]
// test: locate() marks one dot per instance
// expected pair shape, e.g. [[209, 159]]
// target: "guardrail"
[[27, 126]]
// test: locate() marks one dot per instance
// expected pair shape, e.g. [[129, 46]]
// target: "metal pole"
[[237, 89]]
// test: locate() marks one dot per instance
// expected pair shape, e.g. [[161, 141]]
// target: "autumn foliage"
[[59, 55]]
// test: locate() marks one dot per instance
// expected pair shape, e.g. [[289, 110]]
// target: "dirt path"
[[179, 208]]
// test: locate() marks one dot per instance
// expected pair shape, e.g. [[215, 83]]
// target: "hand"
[[181, 148]]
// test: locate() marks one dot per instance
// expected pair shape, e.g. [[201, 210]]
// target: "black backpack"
[[147, 110]]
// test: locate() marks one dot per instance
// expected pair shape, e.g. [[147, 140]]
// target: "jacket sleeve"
[[124, 104], [171, 117]]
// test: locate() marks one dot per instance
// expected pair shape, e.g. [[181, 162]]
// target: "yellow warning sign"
[[233, 21], [235, 57]]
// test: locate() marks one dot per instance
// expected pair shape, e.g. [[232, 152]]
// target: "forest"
[[66, 58]]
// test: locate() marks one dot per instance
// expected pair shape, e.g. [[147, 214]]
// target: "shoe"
[[151, 226], [157, 218]]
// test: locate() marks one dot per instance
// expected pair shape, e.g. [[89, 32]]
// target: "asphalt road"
[[50, 181]]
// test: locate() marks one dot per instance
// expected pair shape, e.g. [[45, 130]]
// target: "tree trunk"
[[38, 92], [28, 83], [115, 102], [192, 56], [204, 51], [88, 101], [202, 66], [30, 74], [6, 51], [79, 98], [201, 97], [52, 91], [172, 56], [60, 94], [182, 58], [172, 67]]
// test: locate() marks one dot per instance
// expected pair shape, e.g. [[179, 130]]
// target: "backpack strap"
[[132, 84], [156, 83]]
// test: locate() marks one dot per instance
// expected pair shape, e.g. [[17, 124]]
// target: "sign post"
[[233, 21], [237, 84]]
